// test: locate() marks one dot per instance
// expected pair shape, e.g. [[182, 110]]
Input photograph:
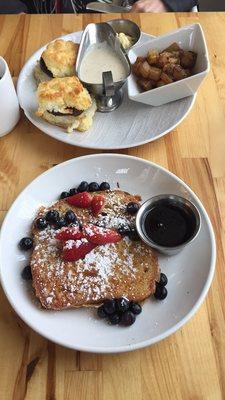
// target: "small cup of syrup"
[[168, 223]]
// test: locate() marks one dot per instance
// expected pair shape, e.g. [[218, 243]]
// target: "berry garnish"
[[132, 208], [114, 318], [41, 224], [52, 216], [26, 273], [70, 217], [135, 308], [93, 187], [101, 312], [73, 191], [97, 204], [123, 229], [26, 243], [163, 279], [83, 187], [160, 292], [122, 304], [76, 250], [104, 186], [60, 223], [109, 306], [100, 236], [80, 200], [63, 195], [70, 233], [133, 235], [127, 318]]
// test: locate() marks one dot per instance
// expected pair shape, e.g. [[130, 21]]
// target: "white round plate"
[[189, 273], [132, 124]]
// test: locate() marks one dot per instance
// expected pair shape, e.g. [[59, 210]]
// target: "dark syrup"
[[169, 225]]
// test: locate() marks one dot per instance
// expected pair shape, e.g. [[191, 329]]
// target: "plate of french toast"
[[55, 91], [76, 269]]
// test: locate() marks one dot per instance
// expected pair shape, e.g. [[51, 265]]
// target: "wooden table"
[[190, 365]]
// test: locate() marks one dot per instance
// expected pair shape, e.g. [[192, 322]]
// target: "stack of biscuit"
[[62, 99]]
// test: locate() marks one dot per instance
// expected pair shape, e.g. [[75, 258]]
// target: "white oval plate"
[[132, 124], [189, 273]]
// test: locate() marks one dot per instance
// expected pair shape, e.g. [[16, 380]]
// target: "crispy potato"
[[153, 57], [179, 73], [154, 73], [160, 83], [166, 78], [173, 47], [136, 67], [168, 69], [145, 69], [145, 84], [188, 59]]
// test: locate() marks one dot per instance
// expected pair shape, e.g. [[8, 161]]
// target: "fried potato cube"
[[145, 84], [166, 78], [168, 69], [154, 73], [153, 57], [160, 83], [136, 66], [145, 69], [173, 47], [179, 73], [188, 59]]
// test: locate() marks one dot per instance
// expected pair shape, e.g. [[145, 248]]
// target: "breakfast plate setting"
[[109, 244], [132, 108]]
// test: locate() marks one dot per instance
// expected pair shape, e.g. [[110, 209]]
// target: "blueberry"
[[41, 224], [109, 306], [26, 243], [26, 273], [123, 229], [133, 235], [93, 187], [101, 312], [73, 191], [163, 279], [161, 292], [104, 186], [114, 318], [135, 308], [60, 223], [63, 195], [52, 216], [70, 217], [132, 208], [127, 318], [122, 304], [83, 187]]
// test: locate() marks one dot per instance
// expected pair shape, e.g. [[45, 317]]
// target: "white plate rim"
[[86, 146], [144, 343]]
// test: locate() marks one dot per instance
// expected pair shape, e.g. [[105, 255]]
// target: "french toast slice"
[[123, 269]]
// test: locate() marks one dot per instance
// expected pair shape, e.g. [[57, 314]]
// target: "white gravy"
[[98, 59]]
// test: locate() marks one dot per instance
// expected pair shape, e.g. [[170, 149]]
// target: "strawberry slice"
[[75, 250], [70, 233], [100, 236], [80, 200], [97, 204]]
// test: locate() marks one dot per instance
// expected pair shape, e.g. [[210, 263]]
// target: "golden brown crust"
[[60, 57], [58, 94], [127, 268]]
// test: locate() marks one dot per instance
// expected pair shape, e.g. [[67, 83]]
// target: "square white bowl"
[[189, 38]]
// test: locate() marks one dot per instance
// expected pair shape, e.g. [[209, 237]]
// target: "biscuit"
[[60, 57], [59, 94], [40, 76], [127, 268], [81, 123]]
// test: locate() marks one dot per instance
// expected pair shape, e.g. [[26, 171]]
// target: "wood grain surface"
[[189, 365]]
